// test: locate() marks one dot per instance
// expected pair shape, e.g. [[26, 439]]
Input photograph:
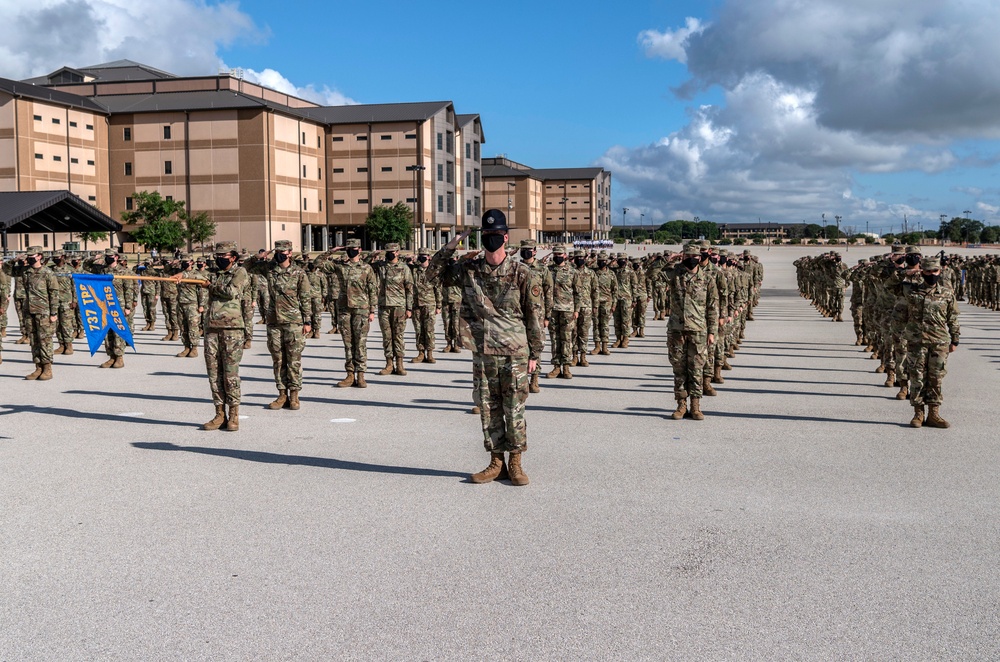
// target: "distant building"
[[765, 230]]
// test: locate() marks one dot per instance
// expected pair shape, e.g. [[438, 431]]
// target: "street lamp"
[[837, 218], [416, 200], [968, 222], [565, 221], [641, 225], [624, 214]]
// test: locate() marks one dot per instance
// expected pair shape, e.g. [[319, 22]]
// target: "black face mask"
[[279, 258], [31, 260], [580, 261], [527, 253], [353, 252], [109, 260], [913, 259], [200, 265], [558, 259], [185, 265], [222, 263], [493, 242], [422, 259], [691, 262], [621, 263], [60, 262], [932, 279], [390, 256], [705, 256], [714, 259], [601, 264], [75, 263]]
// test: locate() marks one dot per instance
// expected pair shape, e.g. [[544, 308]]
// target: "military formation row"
[[905, 311]]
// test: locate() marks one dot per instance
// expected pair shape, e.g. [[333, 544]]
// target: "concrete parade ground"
[[803, 519]]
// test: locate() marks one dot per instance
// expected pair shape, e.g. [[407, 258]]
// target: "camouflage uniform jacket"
[[225, 300], [586, 287], [694, 301], [607, 285], [289, 292], [317, 281], [929, 315], [354, 285], [40, 288], [541, 288], [426, 290], [639, 291], [565, 298], [395, 284], [65, 282], [192, 295], [496, 304], [625, 285]]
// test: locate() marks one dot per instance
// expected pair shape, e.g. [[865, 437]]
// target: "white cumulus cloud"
[[670, 44]]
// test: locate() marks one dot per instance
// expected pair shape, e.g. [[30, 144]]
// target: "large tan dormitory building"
[[552, 204], [264, 165]]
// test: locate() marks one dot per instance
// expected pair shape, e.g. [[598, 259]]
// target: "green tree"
[[156, 218], [990, 234], [92, 236], [812, 230], [388, 224], [198, 228]]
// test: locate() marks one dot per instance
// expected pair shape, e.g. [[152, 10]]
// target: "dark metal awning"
[[52, 211]]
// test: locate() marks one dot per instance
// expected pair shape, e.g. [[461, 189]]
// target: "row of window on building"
[[56, 120]]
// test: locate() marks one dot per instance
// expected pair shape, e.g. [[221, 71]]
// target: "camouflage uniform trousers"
[[926, 365], [317, 313], [171, 315], [623, 319], [858, 317], [837, 301], [583, 324], [500, 389], [354, 326], [114, 344], [39, 329], [450, 319], [717, 352], [263, 298], [423, 325], [66, 324], [285, 342], [602, 317], [223, 354], [18, 303], [4, 303], [392, 322], [561, 333], [900, 354], [659, 299], [78, 321], [190, 324], [247, 308], [149, 308], [688, 352], [639, 314]]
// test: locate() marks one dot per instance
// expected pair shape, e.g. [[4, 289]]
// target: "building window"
[[573, 186], [475, 179], [411, 136], [321, 205], [475, 150], [362, 139], [57, 158], [318, 143], [386, 168], [441, 202], [337, 171], [386, 137], [38, 118], [128, 204], [468, 150], [303, 137], [168, 167], [449, 142], [127, 134], [440, 172], [468, 207], [170, 198], [475, 206], [89, 127], [362, 169], [73, 159], [451, 172], [305, 204], [413, 200], [468, 179], [337, 139], [45, 240], [319, 173], [92, 198], [55, 120], [362, 201], [72, 124], [386, 201], [338, 202], [303, 172], [90, 162], [166, 133], [451, 203], [38, 156]]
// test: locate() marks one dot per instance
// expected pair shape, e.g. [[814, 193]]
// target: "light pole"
[[624, 222], [968, 222], [641, 226], [510, 202], [940, 233], [837, 218], [565, 220], [697, 220], [416, 201]]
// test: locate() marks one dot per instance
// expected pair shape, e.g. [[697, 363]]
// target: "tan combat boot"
[[633, 334], [597, 349], [293, 400], [890, 381], [642, 332], [119, 362], [533, 386], [46, 372], [400, 370], [573, 361], [566, 374], [475, 410], [430, 356], [918, 416], [35, 374], [617, 343], [696, 409], [69, 350], [880, 369], [346, 381], [625, 343], [23, 340], [220, 418], [280, 401], [169, 336], [490, 473], [584, 363], [604, 349], [904, 391], [387, 370], [359, 380], [233, 420], [456, 348], [107, 364], [681, 409], [717, 377], [183, 353], [515, 472], [706, 386], [725, 364], [193, 353], [552, 374], [934, 419], [419, 358], [248, 344], [62, 348]]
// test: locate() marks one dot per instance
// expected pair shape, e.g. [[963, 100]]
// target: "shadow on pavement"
[[93, 415], [299, 460]]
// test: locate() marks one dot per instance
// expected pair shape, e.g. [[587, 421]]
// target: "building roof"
[[52, 211], [119, 70], [378, 112], [463, 120], [29, 91], [504, 171], [565, 173], [200, 100], [760, 224]]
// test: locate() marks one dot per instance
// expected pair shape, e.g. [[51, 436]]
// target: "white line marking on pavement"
[[342, 420]]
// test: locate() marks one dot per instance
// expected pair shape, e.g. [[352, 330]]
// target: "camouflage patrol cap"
[[622, 255], [635, 260], [558, 249], [704, 243], [930, 264], [579, 253], [353, 243], [34, 250], [392, 246], [692, 249], [897, 249], [423, 251], [226, 247], [529, 243], [746, 251], [603, 255], [283, 245], [107, 251], [913, 250]]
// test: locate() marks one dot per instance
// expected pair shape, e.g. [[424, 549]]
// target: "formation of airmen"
[[904, 308]]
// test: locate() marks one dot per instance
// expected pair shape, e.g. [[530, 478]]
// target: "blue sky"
[[729, 110]]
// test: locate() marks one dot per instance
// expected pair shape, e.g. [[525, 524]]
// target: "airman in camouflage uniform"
[[856, 278], [65, 327], [39, 307], [564, 315], [318, 281], [168, 303], [426, 304], [607, 288], [929, 315], [149, 293], [586, 288], [694, 319], [640, 300], [225, 334], [247, 305], [395, 306], [451, 305], [19, 297], [191, 300], [626, 283], [540, 292], [356, 288], [503, 322], [287, 315], [5, 285], [125, 290]]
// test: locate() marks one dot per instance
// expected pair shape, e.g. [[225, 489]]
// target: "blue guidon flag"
[[100, 310]]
